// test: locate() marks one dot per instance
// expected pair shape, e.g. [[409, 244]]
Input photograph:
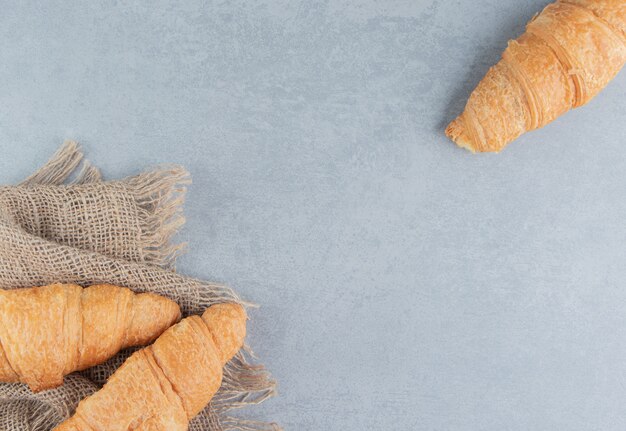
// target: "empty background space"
[[404, 283]]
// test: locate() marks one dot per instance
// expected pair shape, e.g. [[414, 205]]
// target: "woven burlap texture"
[[64, 224]]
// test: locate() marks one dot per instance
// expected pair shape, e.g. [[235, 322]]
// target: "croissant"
[[48, 332], [161, 387], [570, 52]]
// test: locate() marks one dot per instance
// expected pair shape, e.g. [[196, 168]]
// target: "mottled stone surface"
[[403, 283]]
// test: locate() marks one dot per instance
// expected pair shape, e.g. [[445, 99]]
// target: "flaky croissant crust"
[[570, 51], [161, 387], [48, 332]]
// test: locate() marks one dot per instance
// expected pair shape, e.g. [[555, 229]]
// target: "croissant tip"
[[40, 387], [456, 132]]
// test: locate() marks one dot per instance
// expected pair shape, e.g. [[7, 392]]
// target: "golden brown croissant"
[[161, 387], [570, 52], [48, 332]]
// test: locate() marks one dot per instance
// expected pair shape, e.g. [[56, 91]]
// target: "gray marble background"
[[404, 283]]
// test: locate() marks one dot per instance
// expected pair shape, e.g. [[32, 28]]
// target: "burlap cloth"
[[64, 224]]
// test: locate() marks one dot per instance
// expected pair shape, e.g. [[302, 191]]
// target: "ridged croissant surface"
[[161, 387], [570, 52], [50, 331]]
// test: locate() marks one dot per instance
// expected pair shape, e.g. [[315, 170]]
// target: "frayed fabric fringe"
[[65, 224]]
